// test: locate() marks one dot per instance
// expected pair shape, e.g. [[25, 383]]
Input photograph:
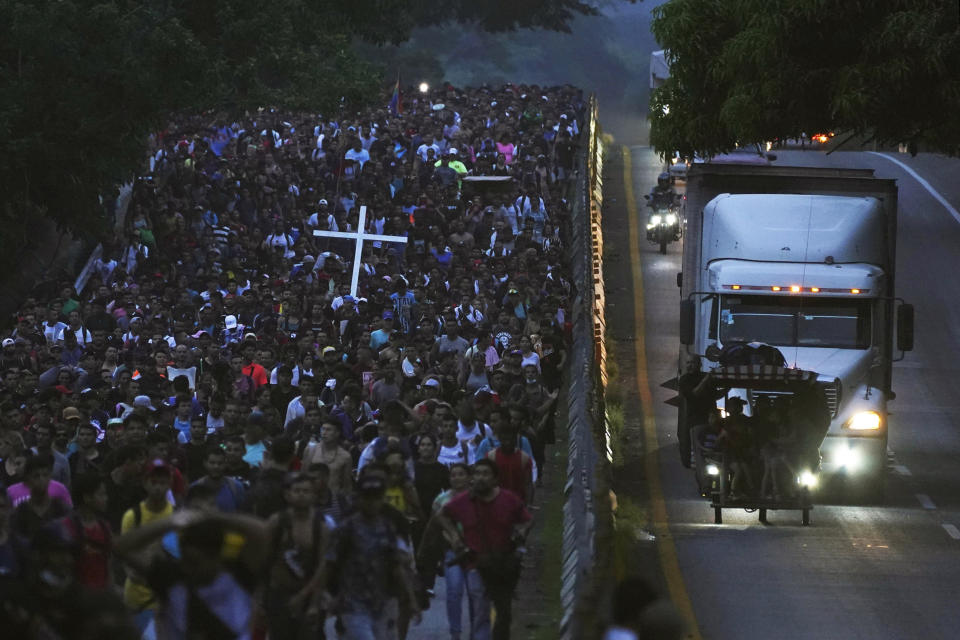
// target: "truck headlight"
[[848, 458], [713, 470], [671, 219], [654, 220], [864, 421]]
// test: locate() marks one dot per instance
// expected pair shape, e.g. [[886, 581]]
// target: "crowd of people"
[[218, 437]]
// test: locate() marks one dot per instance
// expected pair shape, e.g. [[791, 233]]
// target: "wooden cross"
[[360, 235]]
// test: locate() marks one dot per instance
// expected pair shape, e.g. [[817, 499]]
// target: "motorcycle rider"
[[662, 195]]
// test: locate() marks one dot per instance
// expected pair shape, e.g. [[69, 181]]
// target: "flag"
[[395, 106]]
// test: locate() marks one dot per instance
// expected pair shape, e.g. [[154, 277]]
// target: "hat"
[[431, 382], [250, 336], [348, 298], [451, 152], [230, 322], [208, 306], [158, 464], [309, 258], [8, 342], [513, 290], [388, 315], [322, 201], [327, 350], [71, 413], [144, 401]]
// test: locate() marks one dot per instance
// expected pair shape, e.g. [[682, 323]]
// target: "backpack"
[[752, 353]]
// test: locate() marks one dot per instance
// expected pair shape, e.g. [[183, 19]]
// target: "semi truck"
[[802, 259]]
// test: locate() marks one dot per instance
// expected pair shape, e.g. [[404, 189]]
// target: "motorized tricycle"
[[760, 451]]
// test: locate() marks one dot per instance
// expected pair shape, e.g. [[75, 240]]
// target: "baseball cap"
[[144, 401], [327, 350], [309, 258], [388, 314], [322, 201], [71, 413], [250, 336], [8, 342], [431, 382], [230, 322], [158, 464]]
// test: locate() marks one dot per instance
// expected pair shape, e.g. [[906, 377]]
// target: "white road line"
[[952, 531], [902, 470], [925, 501], [926, 185]]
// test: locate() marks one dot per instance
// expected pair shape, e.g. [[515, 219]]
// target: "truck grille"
[[834, 392]]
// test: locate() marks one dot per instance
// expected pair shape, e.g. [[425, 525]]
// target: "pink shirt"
[[507, 150], [19, 493]]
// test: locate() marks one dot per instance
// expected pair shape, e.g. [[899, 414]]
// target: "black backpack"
[[752, 353]]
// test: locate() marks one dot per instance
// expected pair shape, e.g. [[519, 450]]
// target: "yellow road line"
[[667, 550]]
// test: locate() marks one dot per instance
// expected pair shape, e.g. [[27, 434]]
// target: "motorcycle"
[[663, 224]]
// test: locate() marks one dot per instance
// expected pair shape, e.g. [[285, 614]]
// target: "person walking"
[[493, 526]]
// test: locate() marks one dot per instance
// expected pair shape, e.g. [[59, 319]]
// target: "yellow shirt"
[[137, 595]]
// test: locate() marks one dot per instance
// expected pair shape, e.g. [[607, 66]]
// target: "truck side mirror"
[[905, 327], [688, 312]]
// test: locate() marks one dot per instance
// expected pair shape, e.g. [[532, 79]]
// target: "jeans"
[[500, 595], [454, 577], [360, 624], [479, 606]]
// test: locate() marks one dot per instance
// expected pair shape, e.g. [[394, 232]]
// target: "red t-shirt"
[[514, 470], [258, 373], [93, 566], [487, 526]]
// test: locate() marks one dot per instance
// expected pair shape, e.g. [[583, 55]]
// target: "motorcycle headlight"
[[807, 479], [671, 219], [712, 470], [864, 421], [655, 220]]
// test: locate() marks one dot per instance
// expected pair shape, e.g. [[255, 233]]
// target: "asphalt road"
[[890, 571]]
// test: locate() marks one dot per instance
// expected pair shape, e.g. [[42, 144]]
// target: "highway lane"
[[886, 571]]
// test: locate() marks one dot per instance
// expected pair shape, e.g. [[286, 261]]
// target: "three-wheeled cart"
[[776, 400]]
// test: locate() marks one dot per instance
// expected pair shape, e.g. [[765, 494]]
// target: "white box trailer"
[[802, 259]]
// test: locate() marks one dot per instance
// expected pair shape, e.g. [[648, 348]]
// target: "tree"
[[83, 82], [744, 71]]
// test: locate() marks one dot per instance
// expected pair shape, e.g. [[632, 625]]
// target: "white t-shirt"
[[469, 434], [452, 455]]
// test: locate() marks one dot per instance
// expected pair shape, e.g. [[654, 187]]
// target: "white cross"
[[359, 236]]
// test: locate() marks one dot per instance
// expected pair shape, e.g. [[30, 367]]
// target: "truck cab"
[[809, 272]]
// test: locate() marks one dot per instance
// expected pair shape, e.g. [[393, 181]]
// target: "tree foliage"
[[751, 70], [82, 82]]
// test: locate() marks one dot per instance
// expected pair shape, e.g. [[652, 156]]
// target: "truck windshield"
[[838, 323]]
